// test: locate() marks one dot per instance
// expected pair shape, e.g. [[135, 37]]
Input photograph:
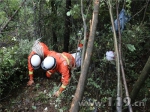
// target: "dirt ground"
[[36, 98], [39, 98]]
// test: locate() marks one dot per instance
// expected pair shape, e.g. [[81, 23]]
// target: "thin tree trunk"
[[35, 22], [40, 5], [121, 63], [85, 35], [138, 84], [54, 42], [83, 76], [119, 99], [3, 27], [67, 27]]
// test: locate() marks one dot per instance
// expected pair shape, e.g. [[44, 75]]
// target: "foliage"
[[74, 12], [13, 67], [43, 19], [134, 54]]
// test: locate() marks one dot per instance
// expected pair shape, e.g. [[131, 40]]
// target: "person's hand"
[[57, 93], [30, 82]]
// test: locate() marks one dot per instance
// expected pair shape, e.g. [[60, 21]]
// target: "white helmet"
[[35, 61], [48, 63]]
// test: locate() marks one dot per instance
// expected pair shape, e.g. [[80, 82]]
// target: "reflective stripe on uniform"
[[63, 86], [49, 72], [65, 58], [30, 72]]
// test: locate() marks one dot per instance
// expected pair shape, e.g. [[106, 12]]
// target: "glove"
[[57, 93], [62, 88], [30, 82]]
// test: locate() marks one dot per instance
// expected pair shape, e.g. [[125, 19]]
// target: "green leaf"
[[12, 62], [131, 47], [34, 107]]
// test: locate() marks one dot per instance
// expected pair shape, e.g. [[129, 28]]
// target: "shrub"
[[13, 67]]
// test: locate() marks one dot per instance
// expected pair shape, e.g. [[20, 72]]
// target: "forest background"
[[59, 24]]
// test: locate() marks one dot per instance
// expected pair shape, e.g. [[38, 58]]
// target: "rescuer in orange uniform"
[[38, 53], [62, 63], [53, 62]]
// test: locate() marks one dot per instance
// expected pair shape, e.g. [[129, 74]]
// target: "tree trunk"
[[85, 34], [35, 22], [144, 75], [119, 84], [40, 5], [54, 42], [121, 63], [83, 76], [67, 27]]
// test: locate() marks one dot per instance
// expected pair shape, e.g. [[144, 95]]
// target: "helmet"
[[48, 63], [35, 61]]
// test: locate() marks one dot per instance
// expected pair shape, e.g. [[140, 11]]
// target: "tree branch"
[[145, 11], [3, 27], [137, 86], [119, 100]]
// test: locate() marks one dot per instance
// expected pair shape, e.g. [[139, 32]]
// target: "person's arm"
[[64, 79], [30, 68]]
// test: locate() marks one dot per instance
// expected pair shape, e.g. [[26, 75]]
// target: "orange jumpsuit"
[[64, 63], [45, 52]]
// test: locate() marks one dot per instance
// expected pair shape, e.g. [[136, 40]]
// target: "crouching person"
[[38, 53], [62, 63]]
